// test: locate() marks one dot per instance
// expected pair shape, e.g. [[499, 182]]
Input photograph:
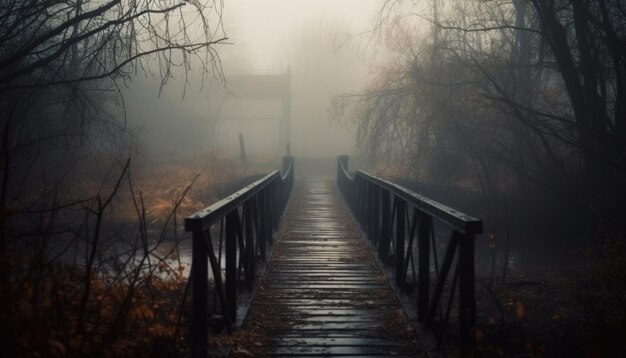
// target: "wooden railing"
[[394, 218], [245, 221]]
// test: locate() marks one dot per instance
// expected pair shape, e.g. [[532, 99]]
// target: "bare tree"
[[49, 43], [533, 87], [587, 40], [62, 65]]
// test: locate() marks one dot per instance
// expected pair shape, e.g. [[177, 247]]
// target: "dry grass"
[[162, 184], [115, 305]]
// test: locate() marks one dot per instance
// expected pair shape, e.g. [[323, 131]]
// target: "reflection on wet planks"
[[323, 289]]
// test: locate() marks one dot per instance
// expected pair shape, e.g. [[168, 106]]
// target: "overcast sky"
[[262, 28], [266, 35]]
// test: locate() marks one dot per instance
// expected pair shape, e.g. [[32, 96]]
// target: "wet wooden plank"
[[337, 327], [333, 350], [323, 294], [333, 342]]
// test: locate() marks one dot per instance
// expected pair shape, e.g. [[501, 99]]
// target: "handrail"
[[245, 222], [454, 218], [388, 211], [460, 221], [201, 220]]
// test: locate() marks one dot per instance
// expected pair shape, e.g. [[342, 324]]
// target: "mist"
[[320, 47], [402, 136]]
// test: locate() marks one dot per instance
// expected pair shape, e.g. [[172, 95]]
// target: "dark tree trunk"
[[586, 58]]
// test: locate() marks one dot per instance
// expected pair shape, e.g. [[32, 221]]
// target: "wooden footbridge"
[[355, 266]]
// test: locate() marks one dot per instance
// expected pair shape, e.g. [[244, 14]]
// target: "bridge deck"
[[323, 293]]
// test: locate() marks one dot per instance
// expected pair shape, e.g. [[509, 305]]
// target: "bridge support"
[[232, 225], [423, 274], [399, 245], [200, 300], [369, 198], [261, 205], [467, 300], [383, 241]]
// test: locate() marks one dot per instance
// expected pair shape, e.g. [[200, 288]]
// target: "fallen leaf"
[[520, 310]]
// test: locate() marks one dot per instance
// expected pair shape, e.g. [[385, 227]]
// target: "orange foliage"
[[55, 310], [51, 328]]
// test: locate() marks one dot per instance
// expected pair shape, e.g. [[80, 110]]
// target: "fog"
[[321, 46], [121, 119]]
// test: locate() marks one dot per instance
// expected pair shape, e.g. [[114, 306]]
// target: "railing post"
[[362, 198], [342, 160], [400, 226], [249, 234], [231, 265], [423, 274], [200, 290], [441, 280], [267, 214], [385, 234], [287, 161], [375, 215], [261, 234], [287, 185], [269, 197], [371, 212], [467, 301], [275, 205]]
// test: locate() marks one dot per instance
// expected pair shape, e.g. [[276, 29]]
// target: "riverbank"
[[568, 313]]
